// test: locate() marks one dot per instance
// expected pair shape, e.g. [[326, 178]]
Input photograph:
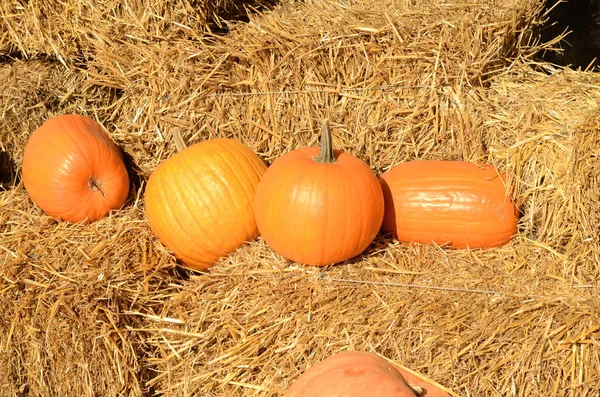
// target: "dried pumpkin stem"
[[326, 154], [95, 184]]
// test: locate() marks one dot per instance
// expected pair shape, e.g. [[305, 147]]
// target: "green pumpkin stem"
[[326, 154]]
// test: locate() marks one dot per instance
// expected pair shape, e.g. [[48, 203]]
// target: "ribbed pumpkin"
[[319, 206], [73, 171], [360, 374], [453, 203], [199, 202]]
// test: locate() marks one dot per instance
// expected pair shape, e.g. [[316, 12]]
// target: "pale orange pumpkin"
[[360, 374], [73, 170], [319, 206], [199, 202], [452, 203]]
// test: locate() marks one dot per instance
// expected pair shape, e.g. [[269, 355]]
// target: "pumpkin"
[[72, 169], [361, 374], [319, 206], [453, 203], [199, 202]]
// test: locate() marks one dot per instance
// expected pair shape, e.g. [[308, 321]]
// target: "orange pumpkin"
[[199, 202], [360, 374], [453, 203], [73, 171], [319, 207]]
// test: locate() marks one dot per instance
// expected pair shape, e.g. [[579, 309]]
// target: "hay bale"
[[65, 289], [36, 90], [66, 30], [544, 129], [235, 335], [477, 322], [68, 291], [342, 54], [99, 310]]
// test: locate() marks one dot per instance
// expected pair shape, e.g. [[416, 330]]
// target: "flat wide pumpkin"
[[319, 206], [73, 171], [200, 201], [360, 374], [453, 203]]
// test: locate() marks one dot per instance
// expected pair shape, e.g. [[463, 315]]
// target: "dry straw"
[[70, 30], [103, 310]]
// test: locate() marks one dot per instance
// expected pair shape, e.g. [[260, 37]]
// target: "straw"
[[105, 309]]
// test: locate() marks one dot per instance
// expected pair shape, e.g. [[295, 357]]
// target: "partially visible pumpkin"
[[319, 206], [73, 170], [200, 201], [360, 374], [453, 203]]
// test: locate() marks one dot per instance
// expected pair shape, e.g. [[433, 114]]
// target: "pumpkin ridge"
[[270, 201], [274, 211], [371, 180], [280, 191], [349, 216], [199, 225], [149, 207], [239, 165], [51, 163], [57, 146], [368, 176], [450, 221], [215, 173], [92, 208], [300, 185], [176, 197], [325, 178], [98, 144], [110, 180], [92, 142], [220, 175]]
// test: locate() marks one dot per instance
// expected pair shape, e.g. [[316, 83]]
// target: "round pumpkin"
[[319, 206], [360, 374], [199, 202], [453, 203], [73, 170]]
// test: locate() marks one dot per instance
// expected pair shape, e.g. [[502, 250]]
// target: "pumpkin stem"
[[326, 154], [95, 184]]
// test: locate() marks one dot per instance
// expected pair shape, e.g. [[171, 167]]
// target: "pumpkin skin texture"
[[453, 203], [319, 210], [72, 169], [359, 374], [199, 202]]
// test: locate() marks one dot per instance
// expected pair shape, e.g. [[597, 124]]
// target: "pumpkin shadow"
[[8, 174], [381, 241], [135, 175], [182, 272], [220, 24]]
